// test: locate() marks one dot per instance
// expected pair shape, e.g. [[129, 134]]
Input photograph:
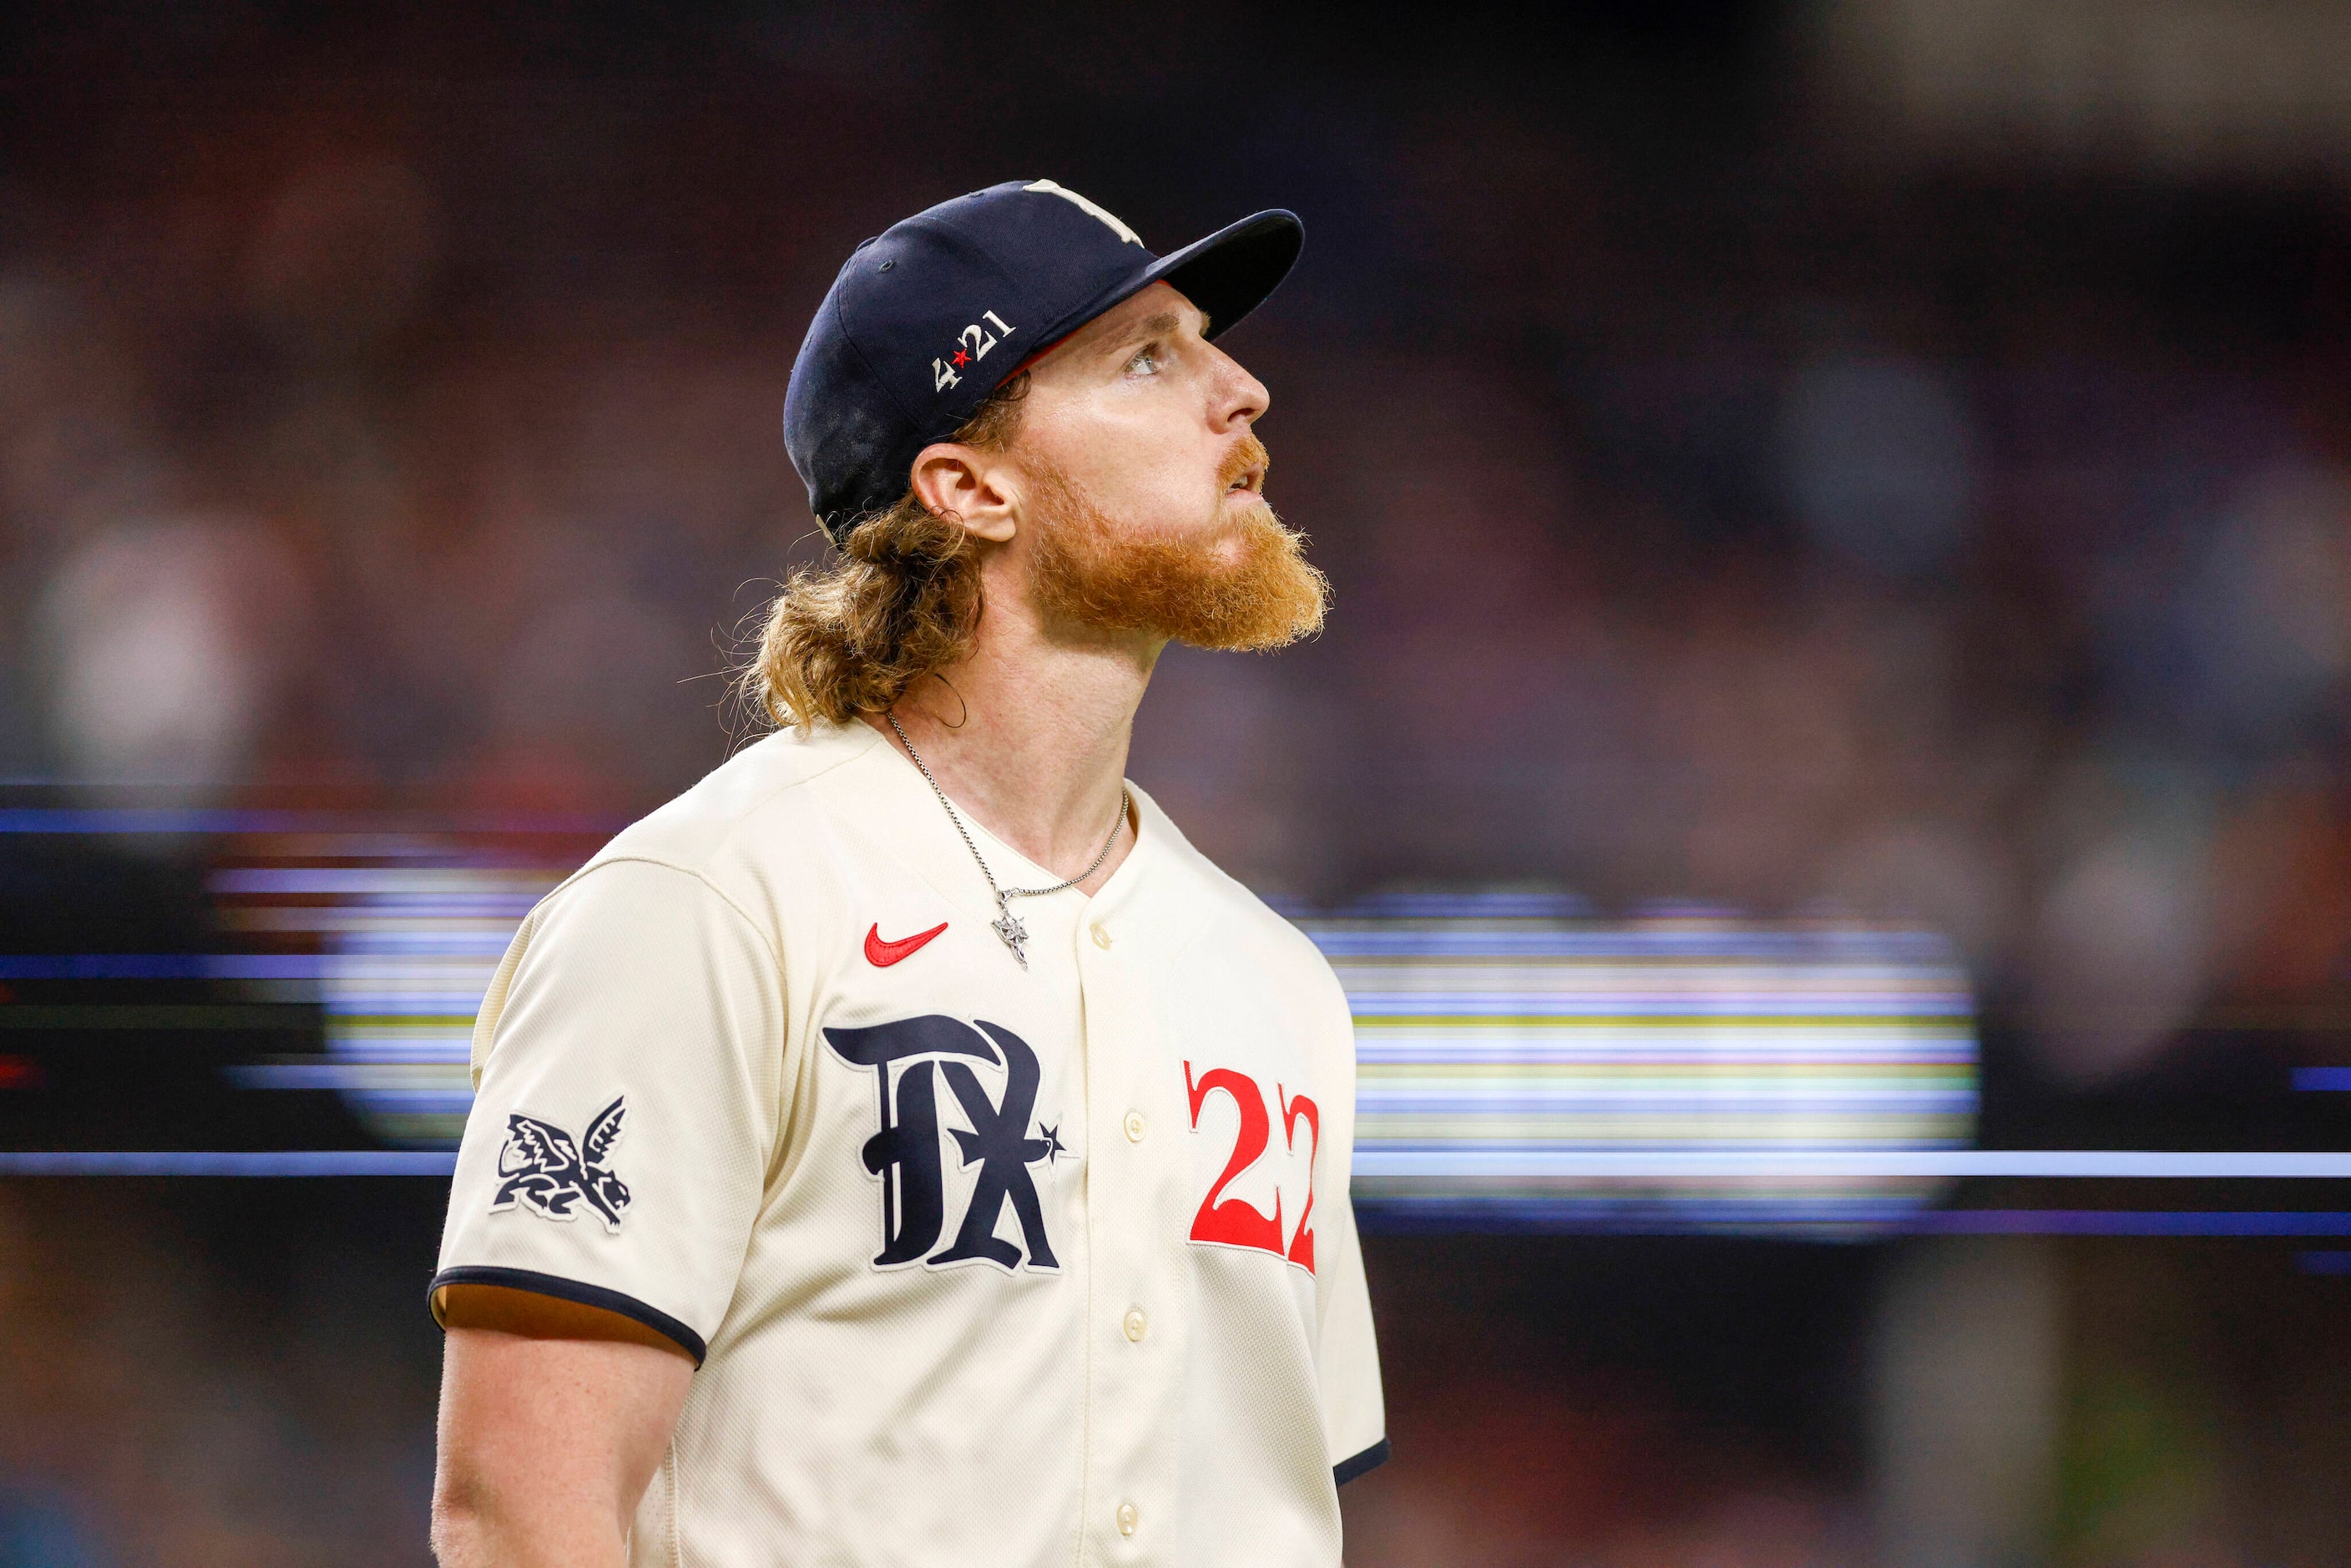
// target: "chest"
[[957, 1113]]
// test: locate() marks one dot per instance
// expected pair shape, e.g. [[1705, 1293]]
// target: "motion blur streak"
[[1498, 1035], [410, 947]]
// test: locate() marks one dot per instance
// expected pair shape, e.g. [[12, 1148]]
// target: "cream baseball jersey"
[[979, 1264]]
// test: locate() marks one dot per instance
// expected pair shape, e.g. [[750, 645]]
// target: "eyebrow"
[[1158, 324]]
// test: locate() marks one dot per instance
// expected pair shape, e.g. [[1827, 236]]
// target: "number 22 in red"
[[1234, 1222]]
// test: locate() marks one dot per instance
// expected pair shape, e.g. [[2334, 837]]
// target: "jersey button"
[[1102, 938], [1128, 1519], [1134, 1126], [1137, 1325]]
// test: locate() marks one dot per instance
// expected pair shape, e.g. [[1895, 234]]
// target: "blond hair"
[[900, 601]]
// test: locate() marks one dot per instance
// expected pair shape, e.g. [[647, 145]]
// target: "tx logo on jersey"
[[909, 1057], [547, 1174]]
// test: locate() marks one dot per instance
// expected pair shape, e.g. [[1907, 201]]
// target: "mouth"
[[1244, 470]]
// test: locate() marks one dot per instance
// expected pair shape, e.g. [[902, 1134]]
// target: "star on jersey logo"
[[551, 1175], [1054, 1147]]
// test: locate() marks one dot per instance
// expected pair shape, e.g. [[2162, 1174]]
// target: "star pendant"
[[1008, 926]]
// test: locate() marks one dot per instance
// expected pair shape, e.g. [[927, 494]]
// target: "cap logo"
[[1116, 227], [975, 341]]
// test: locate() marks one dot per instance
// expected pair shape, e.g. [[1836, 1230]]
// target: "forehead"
[[1132, 315]]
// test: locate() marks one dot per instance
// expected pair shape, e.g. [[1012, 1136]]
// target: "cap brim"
[[1231, 272], [1226, 275]]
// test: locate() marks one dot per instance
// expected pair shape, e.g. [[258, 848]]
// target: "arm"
[[635, 986], [553, 1419]]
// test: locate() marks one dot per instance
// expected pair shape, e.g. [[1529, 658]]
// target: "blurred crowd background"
[[1889, 459]]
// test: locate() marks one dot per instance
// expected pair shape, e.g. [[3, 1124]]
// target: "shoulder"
[[765, 782], [718, 834]]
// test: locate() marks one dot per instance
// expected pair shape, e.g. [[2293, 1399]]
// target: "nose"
[[1238, 398]]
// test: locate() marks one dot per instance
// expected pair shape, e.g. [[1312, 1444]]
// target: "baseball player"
[[905, 1147]]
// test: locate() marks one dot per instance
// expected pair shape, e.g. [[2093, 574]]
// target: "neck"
[[1030, 734]]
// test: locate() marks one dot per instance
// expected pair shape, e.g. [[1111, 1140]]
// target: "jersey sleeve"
[[628, 1064], [1355, 1413]]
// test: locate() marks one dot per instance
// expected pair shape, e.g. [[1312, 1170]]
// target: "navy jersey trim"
[[1371, 1459], [564, 1290]]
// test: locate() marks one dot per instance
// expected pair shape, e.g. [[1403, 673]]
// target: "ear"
[[968, 485]]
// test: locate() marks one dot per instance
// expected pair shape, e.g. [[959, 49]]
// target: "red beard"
[[1194, 588]]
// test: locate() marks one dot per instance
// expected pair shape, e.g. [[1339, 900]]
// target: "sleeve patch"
[[541, 1168]]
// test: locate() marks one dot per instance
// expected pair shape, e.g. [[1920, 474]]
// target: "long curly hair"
[[900, 599]]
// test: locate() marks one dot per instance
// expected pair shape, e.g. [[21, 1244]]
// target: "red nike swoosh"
[[882, 954]]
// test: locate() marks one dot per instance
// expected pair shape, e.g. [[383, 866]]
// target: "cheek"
[[1183, 492], [1154, 489], [1140, 467]]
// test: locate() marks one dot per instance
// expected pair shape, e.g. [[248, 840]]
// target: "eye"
[[1147, 361]]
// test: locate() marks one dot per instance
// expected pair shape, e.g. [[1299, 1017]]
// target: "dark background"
[[1884, 458]]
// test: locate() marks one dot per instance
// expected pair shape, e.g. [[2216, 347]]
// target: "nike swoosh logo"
[[882, 954]]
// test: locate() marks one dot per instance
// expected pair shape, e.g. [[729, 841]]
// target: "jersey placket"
[[1136, 1333]]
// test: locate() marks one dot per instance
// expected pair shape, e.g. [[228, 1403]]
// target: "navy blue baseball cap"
[[927, 320]]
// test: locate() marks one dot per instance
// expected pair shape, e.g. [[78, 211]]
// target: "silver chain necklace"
[[1007, 925]]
